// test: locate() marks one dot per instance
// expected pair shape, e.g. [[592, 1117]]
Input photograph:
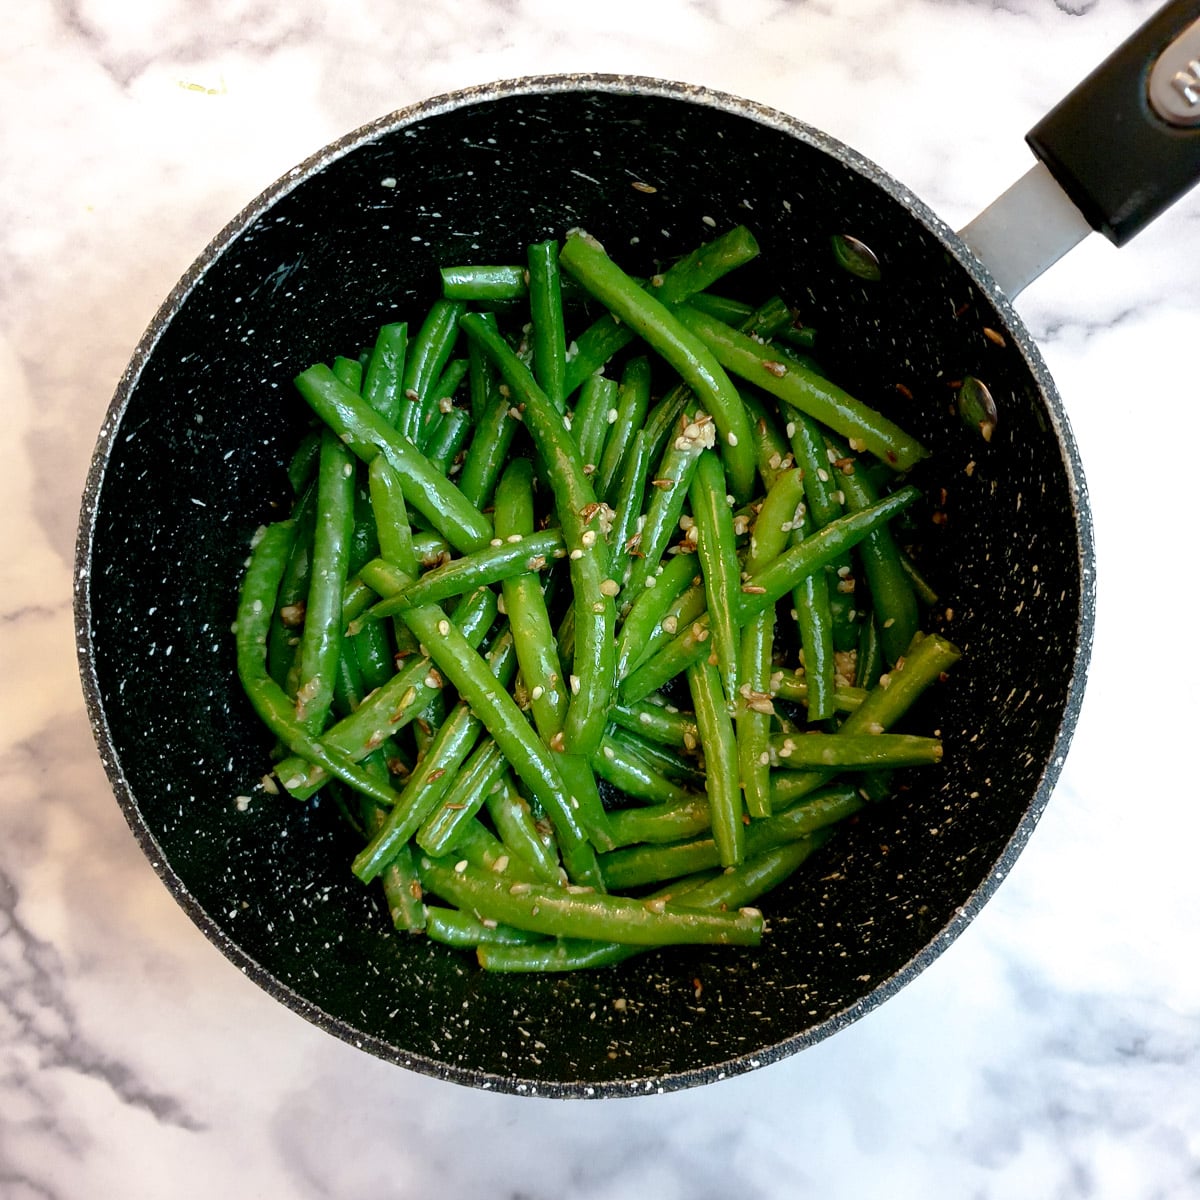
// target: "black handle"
[[1125, 144]]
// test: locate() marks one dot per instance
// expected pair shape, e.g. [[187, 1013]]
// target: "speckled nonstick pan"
[[191, 459]]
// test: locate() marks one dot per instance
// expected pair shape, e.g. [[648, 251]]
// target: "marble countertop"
[[1052, 1051]]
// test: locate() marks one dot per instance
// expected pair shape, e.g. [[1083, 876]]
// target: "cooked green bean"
[[892, 596], [721, 761], [366, 434], [637, 866], [520, 834], [525, 604], [383, 383], [549, 336], [627, 504], [592, 678], [321, 638], [665, 507], [260, 587], [803, 389], [585, 258], [633, 401], [561, 912], [650, 606], [515, 555], [453, 927], [864, 750], [428, 354], [390, 708], [716, 548], [597, 398], [484, 283], [482, 770], [633, 775], [434, 773]]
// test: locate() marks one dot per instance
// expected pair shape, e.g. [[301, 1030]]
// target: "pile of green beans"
[[591, 615]]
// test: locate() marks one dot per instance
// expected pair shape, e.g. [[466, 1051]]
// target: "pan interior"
[[193, 461]]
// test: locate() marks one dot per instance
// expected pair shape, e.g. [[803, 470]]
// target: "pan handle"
[[1118, 150]]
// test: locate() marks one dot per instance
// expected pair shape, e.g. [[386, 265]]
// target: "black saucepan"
[[191, 459]]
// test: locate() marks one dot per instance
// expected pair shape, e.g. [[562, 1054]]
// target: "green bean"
[[372, 649], [590, 421], [559, 912], [682, 612], [483, 769], [293, 591], [864, 750], [349, 371], [391, 515], [525, 604], [401, 887], [632, 775], [650, 606], [302, 467], [671, 484], [483, 849], [428, 354], [453, 927], [488, 452], [804, 389], [868, 662], [528, 756], [779, 577], [729, 889], [484, 385], [321, 639], [519, 832], [593, 680], [637, 866], [627, 503], [366, 434], [704, 266], [684, 650], [633, 401], [661, 824], [580, 781], [585, 258], [657, 721], [721, 761], [529, 553], [383, 383], [825, 505], [814, 618], [259, 590], [549, 337], [434, 774], [892, 595], [752, 719], [720, 570], [771, 451], [663, 419], [390, 708], [484, 283], [675, 764]]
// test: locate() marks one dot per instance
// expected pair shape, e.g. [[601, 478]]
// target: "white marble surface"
[[1053, 1051]]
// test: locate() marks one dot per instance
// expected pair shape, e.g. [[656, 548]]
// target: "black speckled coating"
[[190, 461]]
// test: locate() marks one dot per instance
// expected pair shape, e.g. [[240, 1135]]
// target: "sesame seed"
[[576, 555], [612, 416], [460, 866], [609, 587], [589, 537], [496, 542], [443, 627], [575, 685], [731, 438], [514, 538]]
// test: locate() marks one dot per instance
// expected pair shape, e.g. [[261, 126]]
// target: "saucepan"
[[191, 459]]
